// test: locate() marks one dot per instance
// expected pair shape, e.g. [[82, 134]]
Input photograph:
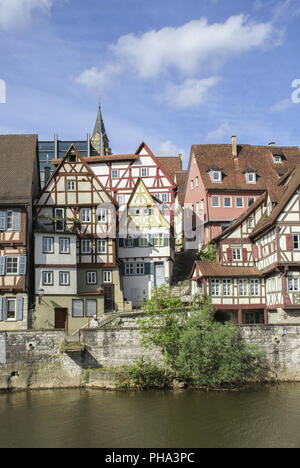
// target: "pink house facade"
[[223, 181]]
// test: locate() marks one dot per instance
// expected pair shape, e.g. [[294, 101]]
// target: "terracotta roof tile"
[[180, 178], [211, 269], [171, 164]]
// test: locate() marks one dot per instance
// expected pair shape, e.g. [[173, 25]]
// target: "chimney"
[[234, 147], [272, 143]]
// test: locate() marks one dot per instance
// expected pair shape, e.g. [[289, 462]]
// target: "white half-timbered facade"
[[77, 276], [265, 240], [146, 246]]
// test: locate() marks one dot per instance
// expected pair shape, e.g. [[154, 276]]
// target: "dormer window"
[[251, 177], [216, 176], [277, 159]]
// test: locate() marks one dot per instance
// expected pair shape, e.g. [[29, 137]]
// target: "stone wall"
[[33, 360]]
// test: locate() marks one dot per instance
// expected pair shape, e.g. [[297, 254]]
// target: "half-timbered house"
[[257, 275], [19, 185], [146, 245], [77, 276]]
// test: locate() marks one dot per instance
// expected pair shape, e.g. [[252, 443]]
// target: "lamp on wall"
[[41, 294]]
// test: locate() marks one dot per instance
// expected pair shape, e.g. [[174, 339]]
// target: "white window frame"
[[277, 159], [10, 220], [144, 241], [216, 176], [91, 277], [129, 269], [107, 276], [47, 278], [250, 204], [293, 284], [102, 215], [243, 288], [142, 173], [237, 254], [158, 240], [64, 245], [227, 287], [84, 244], [45, 241], [15, 265], [236, 202], [224, 202], [120, 199], [255, 287], [62, 211], [62, 276], [215, 289], [71, 185], [100, 244], [115, 174], [86, 215], [249, 175], [14, 301], [251, 222]]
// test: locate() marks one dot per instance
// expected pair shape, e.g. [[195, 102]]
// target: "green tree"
[[209, 254], [160, 325]]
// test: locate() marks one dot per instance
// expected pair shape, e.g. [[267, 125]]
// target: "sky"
[[172, 73]]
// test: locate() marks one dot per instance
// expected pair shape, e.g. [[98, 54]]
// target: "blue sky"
[[171, 73]]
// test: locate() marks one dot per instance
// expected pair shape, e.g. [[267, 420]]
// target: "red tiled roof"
[[211, 269], [171, 164], [258, 158], [180, 178]]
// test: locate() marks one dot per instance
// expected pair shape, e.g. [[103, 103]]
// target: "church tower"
[[99, 141]]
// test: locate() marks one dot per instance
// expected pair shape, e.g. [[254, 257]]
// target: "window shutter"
[[121, 242], [3, 220], [1, 309], [166, 241], [151, 240], [148, 268], [2, 266], [229, 255], [245, 255], [20, 302], [17, 221], [289, 242], [22, 266], [123, 269], [136, 242], [255, 252]]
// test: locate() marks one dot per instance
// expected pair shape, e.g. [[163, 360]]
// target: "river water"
[[267, 416]]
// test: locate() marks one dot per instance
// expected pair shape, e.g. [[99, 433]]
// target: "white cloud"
[[168, 148], [98, 79], [225, 130], [282, 105], [18, 13], [190, 93], [191, 46]]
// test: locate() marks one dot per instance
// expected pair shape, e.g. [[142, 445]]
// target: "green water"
[[265, 417]]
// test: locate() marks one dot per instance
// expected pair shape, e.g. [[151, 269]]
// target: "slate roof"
[[256, 158], [18, 163]]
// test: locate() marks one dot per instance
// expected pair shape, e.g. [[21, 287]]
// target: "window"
[[128, 242], [293, 284], [143, 241], [215, 287], [159, 240], [107, 277], [215, 200], [64, 245], [86, 247], [9, 220], [101, 246], [140, 269], [237, 254], [64, 278], [144, 172], [251, 222], [77, 308], [255, 287], [251, 178], [86, 215], [102, 215], [10, 309], [71, 186], [251, 200], [120, 199], [277, 159], [129, 270], [216, 176], [165, 197], [239, 202], [197, 181], [296, 240], [227, 284], [59, 219], [48, 245], [192, 185], [47, 278], [91, 277], [115, 174], [91, 307], [227, 202], [12, 265], [243, 287]]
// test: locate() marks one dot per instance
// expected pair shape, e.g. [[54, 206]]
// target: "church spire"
[[100, 141]]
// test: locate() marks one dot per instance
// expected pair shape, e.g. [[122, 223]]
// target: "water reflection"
[[267, 416]]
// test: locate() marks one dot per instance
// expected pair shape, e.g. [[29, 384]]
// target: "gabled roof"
[[18, 163], [212, 269], [171, 164], [288, 192], [82, 160], [257, 158], [180, 178]]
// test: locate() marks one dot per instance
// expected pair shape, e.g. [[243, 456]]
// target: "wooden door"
[[109, 298], [61, 319]]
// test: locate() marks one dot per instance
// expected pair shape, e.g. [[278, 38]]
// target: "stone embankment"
[[39, 360]]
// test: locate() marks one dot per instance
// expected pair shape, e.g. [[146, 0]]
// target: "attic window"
[[251, 177], [72, 157], [216, 176], [277, 159]]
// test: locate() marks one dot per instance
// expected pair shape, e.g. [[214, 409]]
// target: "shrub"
[[146, 374]]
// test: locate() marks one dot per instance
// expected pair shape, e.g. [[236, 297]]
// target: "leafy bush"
[[146, 374], [209, 254]]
